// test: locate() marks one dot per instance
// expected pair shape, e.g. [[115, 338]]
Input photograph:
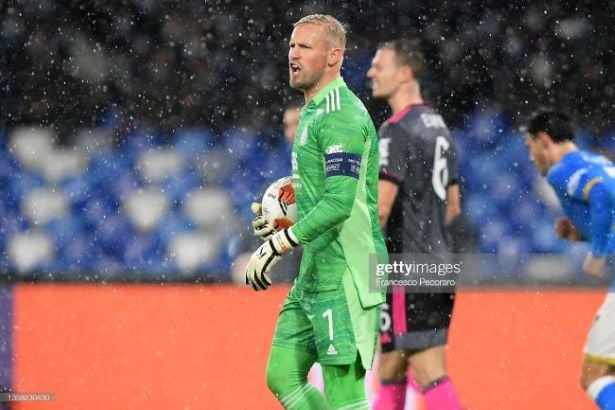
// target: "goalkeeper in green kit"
[[329, 315]]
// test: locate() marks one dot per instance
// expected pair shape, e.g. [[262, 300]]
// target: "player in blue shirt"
[[585, 185]]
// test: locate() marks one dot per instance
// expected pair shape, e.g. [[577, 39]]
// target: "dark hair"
[[407, 52], [554, 123]]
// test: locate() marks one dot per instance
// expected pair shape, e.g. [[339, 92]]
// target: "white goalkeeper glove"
[[267, 256], [260, 226]]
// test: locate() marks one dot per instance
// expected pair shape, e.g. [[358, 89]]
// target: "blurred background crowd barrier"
[[135, 135]]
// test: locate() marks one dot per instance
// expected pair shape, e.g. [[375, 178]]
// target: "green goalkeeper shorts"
[[331, 324]]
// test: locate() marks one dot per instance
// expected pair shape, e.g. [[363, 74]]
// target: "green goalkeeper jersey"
[[335, 175]]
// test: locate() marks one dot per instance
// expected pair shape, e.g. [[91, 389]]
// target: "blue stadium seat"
[[112, 233], [241, 143], [172, 225], [79, 255], [486, 128], [97, 209], [22, 183], [193, 142], [78, 189], [65, 229], [142, 252], [176, 187], [139, 141]]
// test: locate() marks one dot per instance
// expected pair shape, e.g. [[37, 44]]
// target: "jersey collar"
[[338, 82]]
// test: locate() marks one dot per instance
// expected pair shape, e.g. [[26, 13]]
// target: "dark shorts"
[[415, 321]]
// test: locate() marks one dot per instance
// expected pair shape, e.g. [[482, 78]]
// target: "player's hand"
[[565, 229], [260, 226], [267, 256], [594, 266]]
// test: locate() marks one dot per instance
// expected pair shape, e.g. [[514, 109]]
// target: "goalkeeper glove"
[[260, 226], [267, 256]]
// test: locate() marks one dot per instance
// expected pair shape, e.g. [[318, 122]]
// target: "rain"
[[135, 135]]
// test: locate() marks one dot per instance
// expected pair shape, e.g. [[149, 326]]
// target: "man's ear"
[[407, 73], [544, 138], [334, 57]]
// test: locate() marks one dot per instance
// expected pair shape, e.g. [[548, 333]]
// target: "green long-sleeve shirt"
[[335, 176]]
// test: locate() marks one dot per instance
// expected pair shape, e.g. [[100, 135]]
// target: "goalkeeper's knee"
[[280, 384], [287, 370]]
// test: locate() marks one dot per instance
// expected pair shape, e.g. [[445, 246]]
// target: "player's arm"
[[387, 192], [453, 203], [453, 192], [602, 211], [395, 157], [342, 143], [592, 189]]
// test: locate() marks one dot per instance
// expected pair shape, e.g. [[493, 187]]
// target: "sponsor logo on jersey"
[[331, 350], [333, 149]]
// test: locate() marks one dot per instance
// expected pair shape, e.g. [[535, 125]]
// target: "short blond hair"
[[336, 31]]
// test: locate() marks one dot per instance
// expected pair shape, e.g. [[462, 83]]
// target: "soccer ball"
[[279, 208]]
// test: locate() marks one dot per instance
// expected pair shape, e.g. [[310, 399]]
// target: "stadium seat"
[[156, 164], [210, 207], [43, 204], [145, 208], [240, 142], [96, 209], [142, 254], [64, 229], [191, 251], [78, 256], [215, 166], [172, 225], [62, 163], [193, 143], [177, 187], [28, 251], [21, 184], [31, 146], [78, 189], [139, 141], [112, 233]]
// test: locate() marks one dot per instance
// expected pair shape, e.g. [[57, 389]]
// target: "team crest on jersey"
[[303, 138]]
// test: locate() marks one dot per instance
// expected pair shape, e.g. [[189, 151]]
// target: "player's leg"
[[392, 368], [392, 364], [345, 386], [429, 367], [428, 321], [598, 371], [287, 371], [346, 336], [292, 354]]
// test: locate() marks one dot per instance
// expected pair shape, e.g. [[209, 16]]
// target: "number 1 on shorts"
[[329, 314]]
